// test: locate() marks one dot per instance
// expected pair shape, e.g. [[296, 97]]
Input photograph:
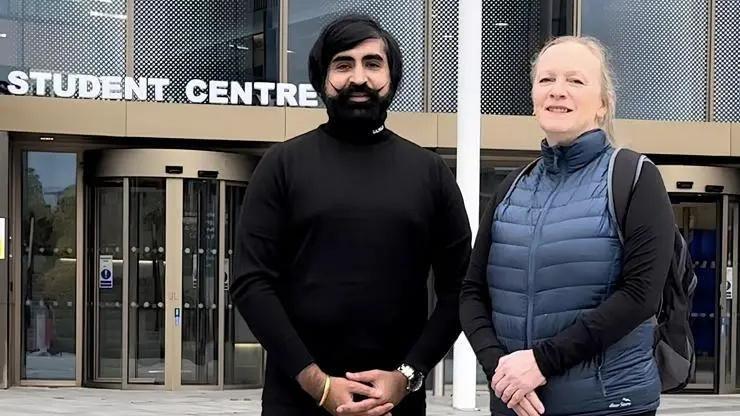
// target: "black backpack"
[[674, 341]]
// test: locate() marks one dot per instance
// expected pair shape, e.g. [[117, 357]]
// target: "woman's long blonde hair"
[[608, 93]]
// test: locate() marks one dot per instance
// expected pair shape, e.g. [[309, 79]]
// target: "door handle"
[[195, 270]]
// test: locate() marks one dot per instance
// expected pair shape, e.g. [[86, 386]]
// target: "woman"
[[558, 311]]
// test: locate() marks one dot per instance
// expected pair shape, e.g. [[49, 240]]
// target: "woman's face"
[[566, 92]]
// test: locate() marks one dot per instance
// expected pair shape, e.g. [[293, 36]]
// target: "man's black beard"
[[358, 116]]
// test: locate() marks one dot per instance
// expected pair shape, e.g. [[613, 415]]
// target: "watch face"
[[416, 379], [416, 383]]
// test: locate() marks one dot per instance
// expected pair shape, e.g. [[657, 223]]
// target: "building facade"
[[129, 130]]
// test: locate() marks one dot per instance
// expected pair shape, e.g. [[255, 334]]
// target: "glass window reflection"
[[49, 265], [71, 37], [225, 40], [646, 40], [405, 20]]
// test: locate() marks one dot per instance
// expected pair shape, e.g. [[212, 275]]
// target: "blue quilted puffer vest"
[[555, 254]]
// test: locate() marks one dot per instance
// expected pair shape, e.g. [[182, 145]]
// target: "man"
[[337, 235]]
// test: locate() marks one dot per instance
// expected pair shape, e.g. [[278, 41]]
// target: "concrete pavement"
[[84, 402]]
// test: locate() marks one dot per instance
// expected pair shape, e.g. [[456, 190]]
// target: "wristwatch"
[[415, 378]]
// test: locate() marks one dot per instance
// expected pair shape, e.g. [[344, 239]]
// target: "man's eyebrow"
[[373, 56], [342, 58], [347, 58]]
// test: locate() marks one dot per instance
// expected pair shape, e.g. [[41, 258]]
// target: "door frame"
[[173, 280], [230, 169], [18, 143], [220, 347], [5, 275], [728, 311], [716, 200], [173, 284], [15, 256], [91, 295], [721, 186]]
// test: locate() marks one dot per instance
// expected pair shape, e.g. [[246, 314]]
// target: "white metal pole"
[[439, 379], [468, 171]]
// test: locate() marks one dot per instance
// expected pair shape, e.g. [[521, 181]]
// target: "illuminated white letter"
[[131, 87], [89, 80], [18, 83], [218, 92], [307, 96], [190, 93], [111, 88], [41, 78], [241, 92], [159, 84], [264, 88], [59, 91], [286, 93]]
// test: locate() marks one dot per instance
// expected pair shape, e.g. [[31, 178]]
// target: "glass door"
[[48, 270], [125, 284], [243, 354], [711, 225], [106, 303], [728, 332], [699, 219], [733, 291], [200, 283], [160, 255], [146, 277]]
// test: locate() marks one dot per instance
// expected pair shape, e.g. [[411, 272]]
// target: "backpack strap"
[[624, 171], [507, 185]]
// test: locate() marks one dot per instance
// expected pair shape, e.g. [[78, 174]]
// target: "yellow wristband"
[[327, 386]]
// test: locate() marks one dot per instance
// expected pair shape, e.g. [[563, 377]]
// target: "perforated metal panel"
[[69, 37], [228, 40], [727, 55], [659, 52], [406, 20], [510, 39], [444, 20]]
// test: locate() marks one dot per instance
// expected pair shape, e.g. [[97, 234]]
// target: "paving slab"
[[85, 401]]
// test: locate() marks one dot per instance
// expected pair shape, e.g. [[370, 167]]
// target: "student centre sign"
[[197, 91]]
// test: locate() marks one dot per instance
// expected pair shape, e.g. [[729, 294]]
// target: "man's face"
[[359, 75]]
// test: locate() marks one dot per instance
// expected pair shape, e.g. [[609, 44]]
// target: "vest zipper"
[[530, 276]]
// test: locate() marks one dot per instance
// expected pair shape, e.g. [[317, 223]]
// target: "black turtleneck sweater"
[[335, 243]]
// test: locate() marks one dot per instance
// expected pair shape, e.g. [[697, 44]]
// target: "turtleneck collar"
[[578, 154], [355, 135]]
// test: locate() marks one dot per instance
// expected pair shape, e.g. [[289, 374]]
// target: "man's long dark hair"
[[343, 34]]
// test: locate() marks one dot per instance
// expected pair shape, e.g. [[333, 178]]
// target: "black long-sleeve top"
[[336, 238], [648, 245]]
